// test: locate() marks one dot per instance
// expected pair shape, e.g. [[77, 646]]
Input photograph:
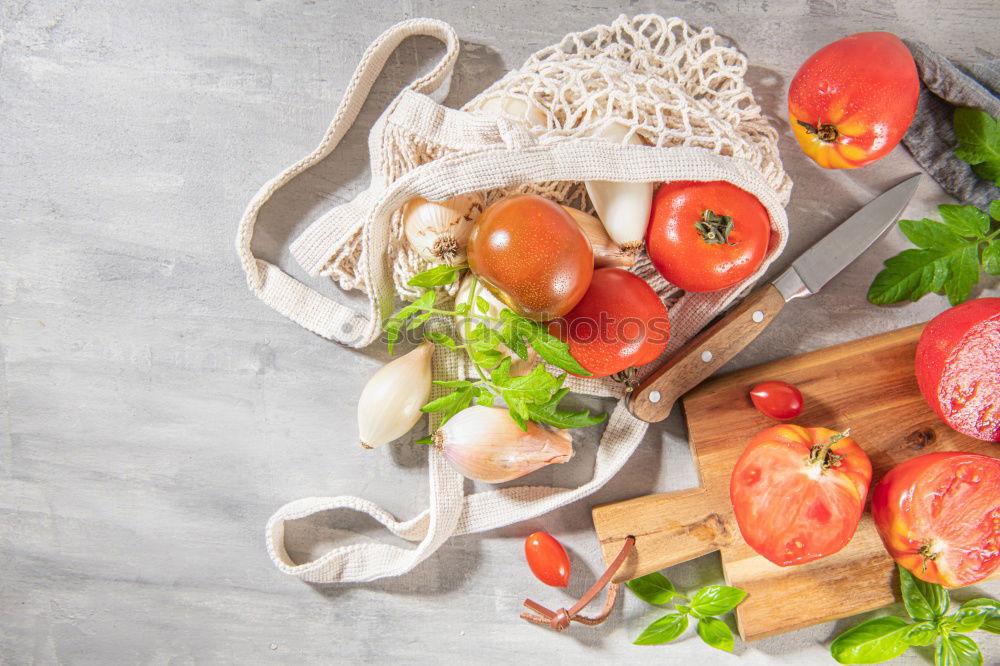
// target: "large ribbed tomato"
[[618, 324], [939, 516], [798, 493], [532, 255], [958, 367], [704, 236], [853, 100]]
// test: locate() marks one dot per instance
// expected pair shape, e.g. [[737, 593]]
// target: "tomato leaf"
[[664, 630], [653, 588], [482, 304], [957, 650], [426, 440], [978, 137], [871, 642], [434, 277], [995, 209], [451, 403], [716, 600], [552, 350], [989, 608], [991, 257], [549, 415], [716, 633], [923, 600], [964, 267], [930, 234], [910, 275], [965, 220]]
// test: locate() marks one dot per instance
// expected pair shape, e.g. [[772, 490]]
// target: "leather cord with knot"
[[561, 618]]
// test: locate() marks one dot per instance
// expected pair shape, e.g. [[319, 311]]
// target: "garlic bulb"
[[439, 230], [515, 108], [518, 366], [391, 400], [485, 444], [606, 251], [622, 207]]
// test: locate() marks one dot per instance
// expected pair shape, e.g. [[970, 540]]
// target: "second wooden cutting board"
[[867, 385]]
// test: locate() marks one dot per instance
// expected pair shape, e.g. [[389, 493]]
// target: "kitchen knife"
[[713, 347]]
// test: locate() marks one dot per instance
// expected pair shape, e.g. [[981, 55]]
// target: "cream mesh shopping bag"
[[681, 90]]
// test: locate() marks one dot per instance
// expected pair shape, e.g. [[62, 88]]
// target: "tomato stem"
[[714, 228], [821, 456], [825, 131]]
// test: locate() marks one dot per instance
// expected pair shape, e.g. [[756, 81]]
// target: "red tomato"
[[796, 500], [939, 516], [619, 324], [706, 236], [547, 559], [532, 255], [853, 100], [957, 360], [779, 400]]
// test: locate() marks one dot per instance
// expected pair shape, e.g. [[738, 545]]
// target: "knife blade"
[[719, 343]]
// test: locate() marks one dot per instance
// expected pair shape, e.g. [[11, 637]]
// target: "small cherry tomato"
[[779, 400], [547, 558]]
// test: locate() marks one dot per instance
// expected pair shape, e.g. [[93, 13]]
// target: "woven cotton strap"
[[281, 291]]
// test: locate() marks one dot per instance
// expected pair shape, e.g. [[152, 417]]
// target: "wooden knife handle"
[[705, 353]]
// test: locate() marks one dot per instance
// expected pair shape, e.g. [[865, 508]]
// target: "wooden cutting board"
[[867, 385]]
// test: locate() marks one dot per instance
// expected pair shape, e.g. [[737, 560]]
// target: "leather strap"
[[561, 618]]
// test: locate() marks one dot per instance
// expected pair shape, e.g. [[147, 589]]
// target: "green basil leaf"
[[435, 277], [991, 258], [964, 268], [909, 275], [717, 599], [871, 642], [965, 220], [930, 234], [664, 630], [716, 633], [442, 339], [681, 608], [923, 600], [989, 608], [923, 634], [653, 588], [957, 650], [966, 620]]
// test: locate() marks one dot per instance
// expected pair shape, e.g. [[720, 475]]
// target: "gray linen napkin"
[[931, 137]]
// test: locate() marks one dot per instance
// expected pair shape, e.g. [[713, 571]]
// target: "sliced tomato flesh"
[[955, 516]]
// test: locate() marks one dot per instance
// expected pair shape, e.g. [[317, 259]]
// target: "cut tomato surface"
[[939, 516]]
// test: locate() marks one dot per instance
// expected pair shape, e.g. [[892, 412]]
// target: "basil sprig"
[[532, 397], [706, 604], [885, 638]]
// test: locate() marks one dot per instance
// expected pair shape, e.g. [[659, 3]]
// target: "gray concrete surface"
[[154, 413]]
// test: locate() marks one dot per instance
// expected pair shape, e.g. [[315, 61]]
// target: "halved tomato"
[[939, 516], [798, 493]]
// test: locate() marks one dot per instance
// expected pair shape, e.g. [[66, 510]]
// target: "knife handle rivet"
[[758, 316], [706, 356], [654, 396]]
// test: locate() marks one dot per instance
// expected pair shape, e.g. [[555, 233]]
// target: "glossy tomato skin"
[[620, 323], [789, 511], [939, 516], [865, 88], [547, 559], [777, 399], [958, 367], [532, 255], [679, 250]]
